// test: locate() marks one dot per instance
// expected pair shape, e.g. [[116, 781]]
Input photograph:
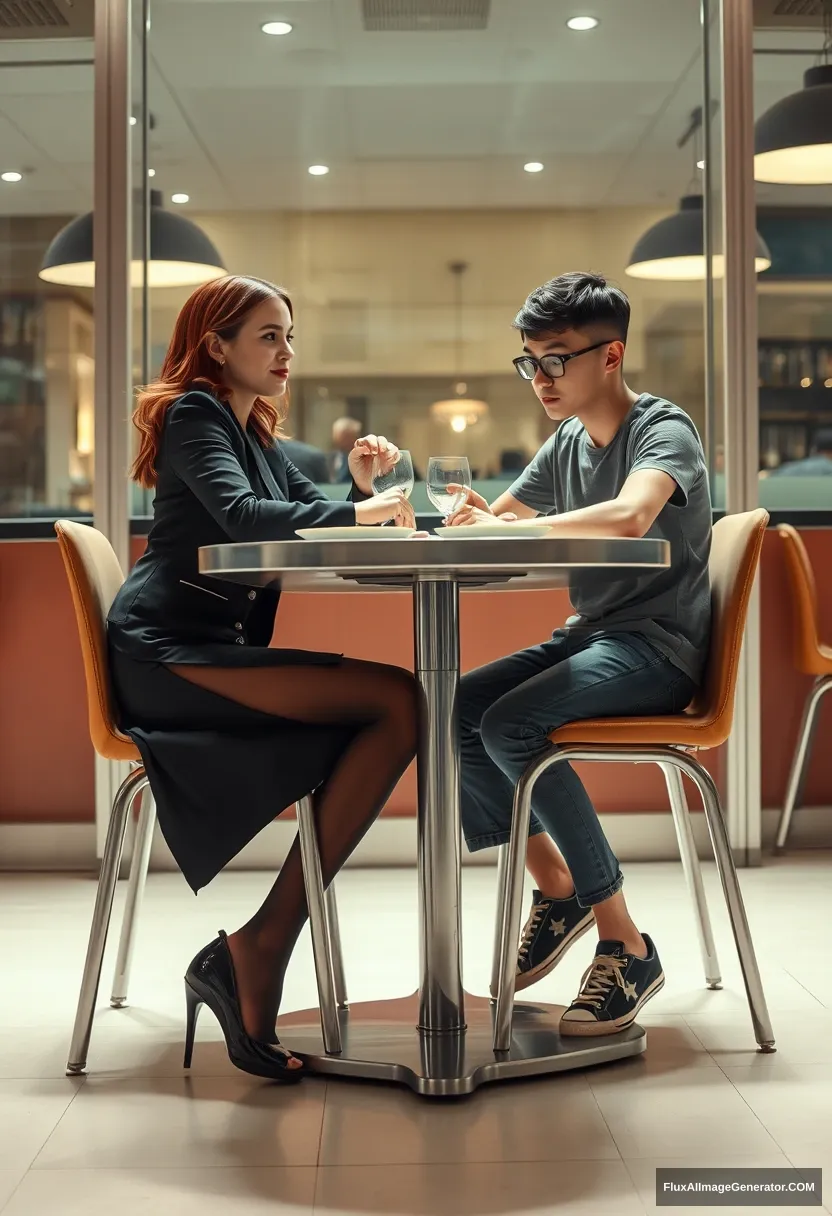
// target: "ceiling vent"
[[25, 19], [788, 14], [424, 16]]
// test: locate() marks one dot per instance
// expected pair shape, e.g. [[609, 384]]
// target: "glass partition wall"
[[410, 173]]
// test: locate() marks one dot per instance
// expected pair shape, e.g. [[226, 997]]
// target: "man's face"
[[584, 379]]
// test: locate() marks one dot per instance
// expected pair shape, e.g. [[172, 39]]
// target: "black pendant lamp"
[[181, 255], [674, 248], [793, 140]]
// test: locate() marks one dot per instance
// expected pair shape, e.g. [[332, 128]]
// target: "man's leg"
[[487, 794], [609, 676]]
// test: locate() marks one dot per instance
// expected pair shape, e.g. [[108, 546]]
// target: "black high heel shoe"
[[210, 981]]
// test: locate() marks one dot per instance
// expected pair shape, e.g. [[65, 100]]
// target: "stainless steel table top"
[[332, 565]]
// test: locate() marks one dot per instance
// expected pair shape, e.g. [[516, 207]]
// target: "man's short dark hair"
[[822, 440], [575, 301]]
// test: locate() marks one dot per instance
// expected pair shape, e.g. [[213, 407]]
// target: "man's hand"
[[465, 515]]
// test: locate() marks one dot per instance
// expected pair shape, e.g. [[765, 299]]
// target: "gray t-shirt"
[[672, 607]]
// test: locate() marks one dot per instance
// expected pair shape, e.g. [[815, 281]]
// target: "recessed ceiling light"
[[582, 23], [700, 164], [180, 198], [151, 173], [533, 166], [133, 120], [319, 170], [11, 176], [276, 28]]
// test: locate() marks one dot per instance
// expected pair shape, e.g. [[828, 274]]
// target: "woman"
[[230, 730]]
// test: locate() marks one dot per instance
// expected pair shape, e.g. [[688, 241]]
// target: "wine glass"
[[399, 477], [444, 471]]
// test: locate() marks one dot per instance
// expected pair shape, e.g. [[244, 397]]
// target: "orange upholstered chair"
[[95, 576], [671, 742], [813, 658]]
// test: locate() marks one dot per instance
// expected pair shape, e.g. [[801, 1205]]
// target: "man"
[[345, 431], [620, 464], [817, 464]]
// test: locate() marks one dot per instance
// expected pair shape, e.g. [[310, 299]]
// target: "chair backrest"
[[95, 577], [735, 557], [801, 575]]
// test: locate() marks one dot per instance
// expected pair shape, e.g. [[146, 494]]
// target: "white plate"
[[491, 531], [359, 532]]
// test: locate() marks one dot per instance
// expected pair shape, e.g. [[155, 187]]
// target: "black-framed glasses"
[[552, 366]]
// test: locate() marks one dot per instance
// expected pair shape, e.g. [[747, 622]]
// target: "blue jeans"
[[508, 708]]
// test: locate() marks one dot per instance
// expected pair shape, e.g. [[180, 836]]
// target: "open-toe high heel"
[[210, 981]]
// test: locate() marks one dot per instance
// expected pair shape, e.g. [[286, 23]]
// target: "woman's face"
[[257, 359]]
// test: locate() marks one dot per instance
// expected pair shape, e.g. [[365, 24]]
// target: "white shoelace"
[[530, 927], [604, 971]]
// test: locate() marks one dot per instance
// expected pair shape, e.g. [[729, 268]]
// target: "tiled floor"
[[139, 1135]]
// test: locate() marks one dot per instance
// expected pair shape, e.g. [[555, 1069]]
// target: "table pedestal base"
[[381, 1043]]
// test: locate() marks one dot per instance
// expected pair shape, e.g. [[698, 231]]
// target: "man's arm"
[[633, 513], [507, 503]]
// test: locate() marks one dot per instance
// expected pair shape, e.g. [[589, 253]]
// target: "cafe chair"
[[671, 742], [95, 577], [811, 657]]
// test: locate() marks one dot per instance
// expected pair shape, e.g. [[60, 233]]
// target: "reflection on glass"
[[444, 472], [399, 477], [388, 325], [47, 369]]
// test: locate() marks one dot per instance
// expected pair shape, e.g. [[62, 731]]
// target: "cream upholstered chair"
[[95, 577], [814, 658], [671, 742]]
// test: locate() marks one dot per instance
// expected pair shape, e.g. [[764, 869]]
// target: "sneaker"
[[553, 926], [613, 990]]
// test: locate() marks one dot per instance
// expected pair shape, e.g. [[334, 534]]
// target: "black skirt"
[[219, 771]]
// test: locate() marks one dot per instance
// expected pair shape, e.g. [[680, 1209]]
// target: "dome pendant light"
[[181, 255], [674, 248], [793, 140], [461, 411]]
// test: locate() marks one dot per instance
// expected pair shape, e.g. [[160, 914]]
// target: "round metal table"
[[439, 1042]]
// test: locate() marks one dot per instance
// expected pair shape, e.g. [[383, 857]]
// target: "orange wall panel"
[[46, 761]]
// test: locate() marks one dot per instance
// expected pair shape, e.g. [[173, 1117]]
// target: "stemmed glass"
[[399, 477], [444, 471]]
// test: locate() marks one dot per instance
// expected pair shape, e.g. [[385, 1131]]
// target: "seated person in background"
[[232, 730], [620, 464], [309, 460], [345, 434], [817, 464]]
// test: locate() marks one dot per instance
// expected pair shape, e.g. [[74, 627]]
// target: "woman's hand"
[[362, 458], [392, 504]]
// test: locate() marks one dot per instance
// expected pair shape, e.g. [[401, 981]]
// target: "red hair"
[[218, 307]]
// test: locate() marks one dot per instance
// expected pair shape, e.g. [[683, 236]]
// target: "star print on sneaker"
[[553, 926], [613, 989]]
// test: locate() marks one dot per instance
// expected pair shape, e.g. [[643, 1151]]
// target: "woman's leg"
[[384, 703]]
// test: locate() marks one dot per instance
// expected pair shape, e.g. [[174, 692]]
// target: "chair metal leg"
[[800, 760], [502, 878], [335, 942], [133, 901], [79, 1045], [509, 912], [692, 872], [733, 897], [319, 926]]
